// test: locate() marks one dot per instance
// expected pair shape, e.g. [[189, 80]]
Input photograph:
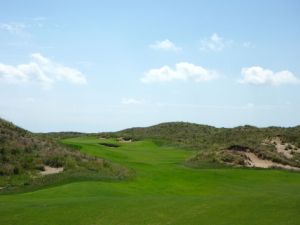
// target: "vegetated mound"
[[25, 156], [183, 134], [224, 145]]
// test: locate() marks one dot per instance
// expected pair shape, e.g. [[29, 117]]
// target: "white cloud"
[[166, 45], [40, 70], [131, 101], [214, 43], [259, 76], [183, 71], [14, 28], [22, 29]]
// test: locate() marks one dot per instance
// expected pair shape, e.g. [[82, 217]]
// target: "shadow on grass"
[[53, 180]]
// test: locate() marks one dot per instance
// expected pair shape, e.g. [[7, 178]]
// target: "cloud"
[[131, 101], [259, 76], [215, 43], [40, 70], [183, 71], [165, 45], [15, 28], [22, 29], [248, 44], [39, 18]]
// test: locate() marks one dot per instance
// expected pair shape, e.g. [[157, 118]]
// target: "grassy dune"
[[163, 191], [24, 156]]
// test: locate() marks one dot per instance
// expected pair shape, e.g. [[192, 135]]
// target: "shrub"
[[40, 167], [7, 169], [16, 170], [70, 163], [232, 157], [55, 161]]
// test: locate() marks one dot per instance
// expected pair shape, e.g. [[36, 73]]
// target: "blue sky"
[[107, 65]]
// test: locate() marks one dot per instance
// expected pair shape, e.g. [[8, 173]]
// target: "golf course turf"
[[163, 191]]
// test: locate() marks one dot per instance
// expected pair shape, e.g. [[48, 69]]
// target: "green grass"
[[162, 192]]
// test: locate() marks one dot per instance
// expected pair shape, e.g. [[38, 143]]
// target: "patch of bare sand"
[[121, 139], [51, 170], [254, 161], [285, 149]]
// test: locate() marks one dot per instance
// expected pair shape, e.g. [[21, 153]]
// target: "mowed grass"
[[163, 191]]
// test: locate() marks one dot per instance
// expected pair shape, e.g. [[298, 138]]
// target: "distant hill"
[[25, 156], [202, 136], [211, 142]]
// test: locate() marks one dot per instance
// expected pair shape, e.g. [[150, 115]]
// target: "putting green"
[[163, 191]]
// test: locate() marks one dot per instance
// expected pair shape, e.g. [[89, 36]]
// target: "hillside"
[[228, 146], [25, 158], [163, 191]]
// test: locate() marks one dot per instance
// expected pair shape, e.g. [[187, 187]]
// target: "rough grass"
[[164, 191], [24, 154]]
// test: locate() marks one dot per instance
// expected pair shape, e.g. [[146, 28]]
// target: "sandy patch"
[[254, 161], [51, 170], [123, 140], [282, 148]]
